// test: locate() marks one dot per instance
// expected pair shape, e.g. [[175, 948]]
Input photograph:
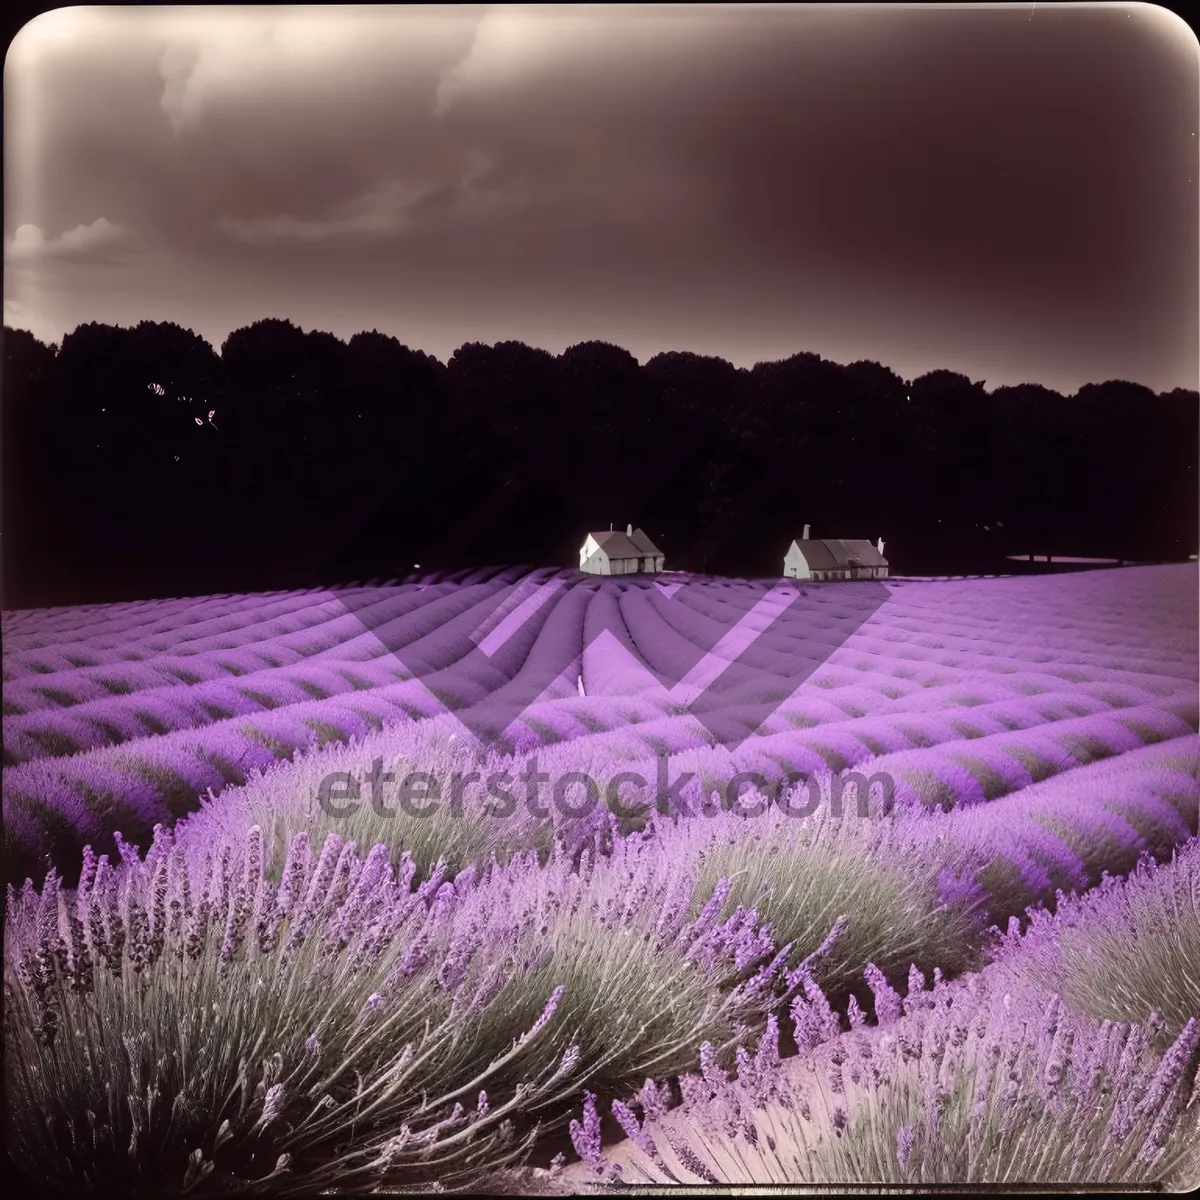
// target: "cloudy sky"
[[1009, 192]]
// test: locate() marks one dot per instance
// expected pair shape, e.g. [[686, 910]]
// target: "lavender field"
[[923, 905]]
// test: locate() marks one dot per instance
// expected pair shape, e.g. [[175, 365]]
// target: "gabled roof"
[[816, 553], [618, 545], [864, 553], [643, 543], [839, 550], [831, 554]]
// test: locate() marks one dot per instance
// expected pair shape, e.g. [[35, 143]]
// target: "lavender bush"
[[961, 1092], [1123, 950], [171, 1031], [801, 875], [284, 800], [174, 1026]]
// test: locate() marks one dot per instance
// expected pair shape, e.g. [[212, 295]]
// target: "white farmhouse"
[[616, 553], [834, 558]]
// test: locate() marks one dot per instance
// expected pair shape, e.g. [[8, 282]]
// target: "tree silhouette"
[[140, 462]]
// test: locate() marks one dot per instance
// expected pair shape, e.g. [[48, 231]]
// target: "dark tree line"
[[325, 461]]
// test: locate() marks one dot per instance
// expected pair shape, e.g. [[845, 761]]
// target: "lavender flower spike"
[[585, 1137], [547, 1013]]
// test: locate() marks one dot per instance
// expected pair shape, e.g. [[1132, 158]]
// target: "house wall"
[[593, 560], [795, 565]]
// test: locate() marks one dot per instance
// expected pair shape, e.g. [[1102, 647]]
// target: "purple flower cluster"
[[348, 942], [1124, 949], [946, 1090]]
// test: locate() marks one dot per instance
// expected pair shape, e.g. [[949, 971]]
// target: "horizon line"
[[57, 345]]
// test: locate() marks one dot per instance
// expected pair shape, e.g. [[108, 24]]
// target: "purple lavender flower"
[[713, 1075], [87, 875], [47, 935], [1059, 1058], [235, 925], [688, 1158], [766, 1058], [295, 873], [463, 946], [833, 1076], [252, 872], [655, 1099], [158, 911], [270, 918], [318, 892], [888, 1006], [547, 1013], [139, 937], [80, 973], [813, 1019], [272, 1104], [634, 1130], [339, 888], [1171, 1070], [585, 1137], [708, 914], [806, 968], [916, 981]]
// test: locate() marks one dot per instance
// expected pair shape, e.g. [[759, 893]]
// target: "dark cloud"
[[1006, 194]]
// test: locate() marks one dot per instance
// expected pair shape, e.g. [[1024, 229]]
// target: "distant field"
[[122, 716]]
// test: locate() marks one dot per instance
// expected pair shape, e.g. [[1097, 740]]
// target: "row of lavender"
[[1059, 833], [1128, 608], [863, 701], [426, 625], [52, 804]]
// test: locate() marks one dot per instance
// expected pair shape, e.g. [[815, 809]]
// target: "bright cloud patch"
[[510, 45], [29, 242]]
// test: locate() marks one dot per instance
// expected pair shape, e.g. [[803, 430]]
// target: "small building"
[[834, 558], [617, 553]]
